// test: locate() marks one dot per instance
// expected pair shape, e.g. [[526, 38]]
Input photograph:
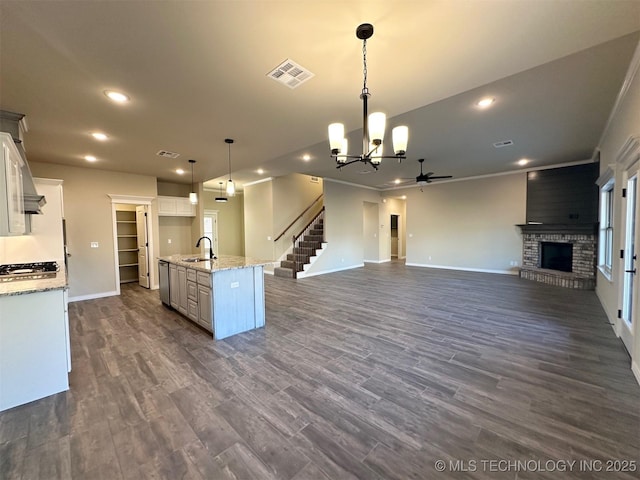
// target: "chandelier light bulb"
[[377, 123], [336, 136], [400, 137], [344, 150]]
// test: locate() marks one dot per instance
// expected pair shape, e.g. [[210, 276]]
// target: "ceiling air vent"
[[504, 143], [167, 154], [290, 73]]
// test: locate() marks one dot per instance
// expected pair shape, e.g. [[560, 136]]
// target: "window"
[[605, 254]]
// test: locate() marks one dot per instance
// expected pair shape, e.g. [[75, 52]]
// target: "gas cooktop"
[[28, 271]]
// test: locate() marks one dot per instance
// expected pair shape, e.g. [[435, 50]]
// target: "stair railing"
[[296, 239], [299, 217]]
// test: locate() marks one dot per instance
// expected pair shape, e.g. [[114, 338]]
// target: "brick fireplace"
[[572, 251]]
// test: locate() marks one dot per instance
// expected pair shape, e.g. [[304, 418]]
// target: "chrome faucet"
[[211, 255]]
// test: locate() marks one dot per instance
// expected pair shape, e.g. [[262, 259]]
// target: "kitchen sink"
[[195, 260]]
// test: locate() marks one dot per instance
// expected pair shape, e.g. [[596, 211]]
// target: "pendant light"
[[193, 196], [231, 187], [373, 125], [221, 198]]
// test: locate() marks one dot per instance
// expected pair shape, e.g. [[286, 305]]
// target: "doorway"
[[211, 230], [394, 235], [629, 283], [132, 240]]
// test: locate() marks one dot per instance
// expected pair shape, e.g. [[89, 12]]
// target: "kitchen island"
[[35, 356], [223, 295]]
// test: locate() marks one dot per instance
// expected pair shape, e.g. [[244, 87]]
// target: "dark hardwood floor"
[[373, 373]]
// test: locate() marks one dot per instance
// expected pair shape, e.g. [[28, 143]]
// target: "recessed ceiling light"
[[99, 136], [523, 161], [179, 171], [306, 157], [260, 171], [396, 181], [404, 197], [486, 102], [90, 158], [117, 97]]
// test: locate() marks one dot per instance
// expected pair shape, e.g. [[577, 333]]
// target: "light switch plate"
[[94, 244]]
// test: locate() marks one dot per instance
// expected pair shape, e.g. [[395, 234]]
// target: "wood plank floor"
[[373, 373]]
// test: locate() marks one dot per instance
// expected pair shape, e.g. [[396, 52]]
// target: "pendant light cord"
[[229, 144]]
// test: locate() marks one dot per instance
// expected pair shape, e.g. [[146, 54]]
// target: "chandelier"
[[373, 125]]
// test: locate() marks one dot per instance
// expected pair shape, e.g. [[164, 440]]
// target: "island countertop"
[[21, 287], [223, 262]]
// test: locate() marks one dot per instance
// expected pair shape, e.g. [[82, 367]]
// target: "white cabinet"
[[12, 218], [174, 292], [205, 317], [175, 207], [182, 290], [34, 349]]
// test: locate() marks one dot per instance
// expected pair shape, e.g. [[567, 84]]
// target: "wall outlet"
[[411, 235], [169, 241], [429, 257], [235, 284], [94, 245]]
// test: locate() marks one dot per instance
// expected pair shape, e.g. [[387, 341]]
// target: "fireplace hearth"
[[560, 255]]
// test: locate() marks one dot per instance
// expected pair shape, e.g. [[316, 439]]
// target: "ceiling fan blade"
[[438, 177]]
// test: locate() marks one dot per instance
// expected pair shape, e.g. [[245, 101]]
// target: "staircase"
[[305, 249]]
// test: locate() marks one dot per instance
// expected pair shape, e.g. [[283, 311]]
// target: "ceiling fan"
[[423, 178]]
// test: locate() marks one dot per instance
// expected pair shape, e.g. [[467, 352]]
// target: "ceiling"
[[196, 73]]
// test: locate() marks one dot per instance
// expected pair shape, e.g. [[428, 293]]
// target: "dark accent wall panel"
[[566, 195]]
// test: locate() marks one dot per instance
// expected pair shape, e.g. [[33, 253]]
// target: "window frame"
[[606, 228]]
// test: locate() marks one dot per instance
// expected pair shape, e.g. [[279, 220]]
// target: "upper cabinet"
[[175, 207], [12, 218]]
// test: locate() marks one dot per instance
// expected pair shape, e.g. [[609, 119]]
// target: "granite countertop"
[[223, 262], [21, 287]]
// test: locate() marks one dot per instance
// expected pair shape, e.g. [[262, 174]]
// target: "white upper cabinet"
[[12, 218], [175, 207]]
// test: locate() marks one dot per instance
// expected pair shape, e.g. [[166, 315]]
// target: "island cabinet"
[[225, 296], [34, 342]]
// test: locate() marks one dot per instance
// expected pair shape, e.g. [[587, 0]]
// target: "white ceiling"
[[196, 74]]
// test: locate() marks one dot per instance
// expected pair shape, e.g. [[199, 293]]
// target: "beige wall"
[[230, 222], [88, 214], [370, 239], [176, 230], [344, 206], [467, 224], [173, 189], [624, 124], [258, 220]]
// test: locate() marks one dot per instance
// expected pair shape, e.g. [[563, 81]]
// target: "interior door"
[[630, 285], [143, 246], [211, 230]]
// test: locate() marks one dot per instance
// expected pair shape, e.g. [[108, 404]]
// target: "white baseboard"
[[463, 269], [92, 296], [306, 275], [635, 368], [268, 272], [377, 261]]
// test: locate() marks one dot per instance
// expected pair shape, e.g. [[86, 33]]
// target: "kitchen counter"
[[225, 295], [21, 287], [223, 262]]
